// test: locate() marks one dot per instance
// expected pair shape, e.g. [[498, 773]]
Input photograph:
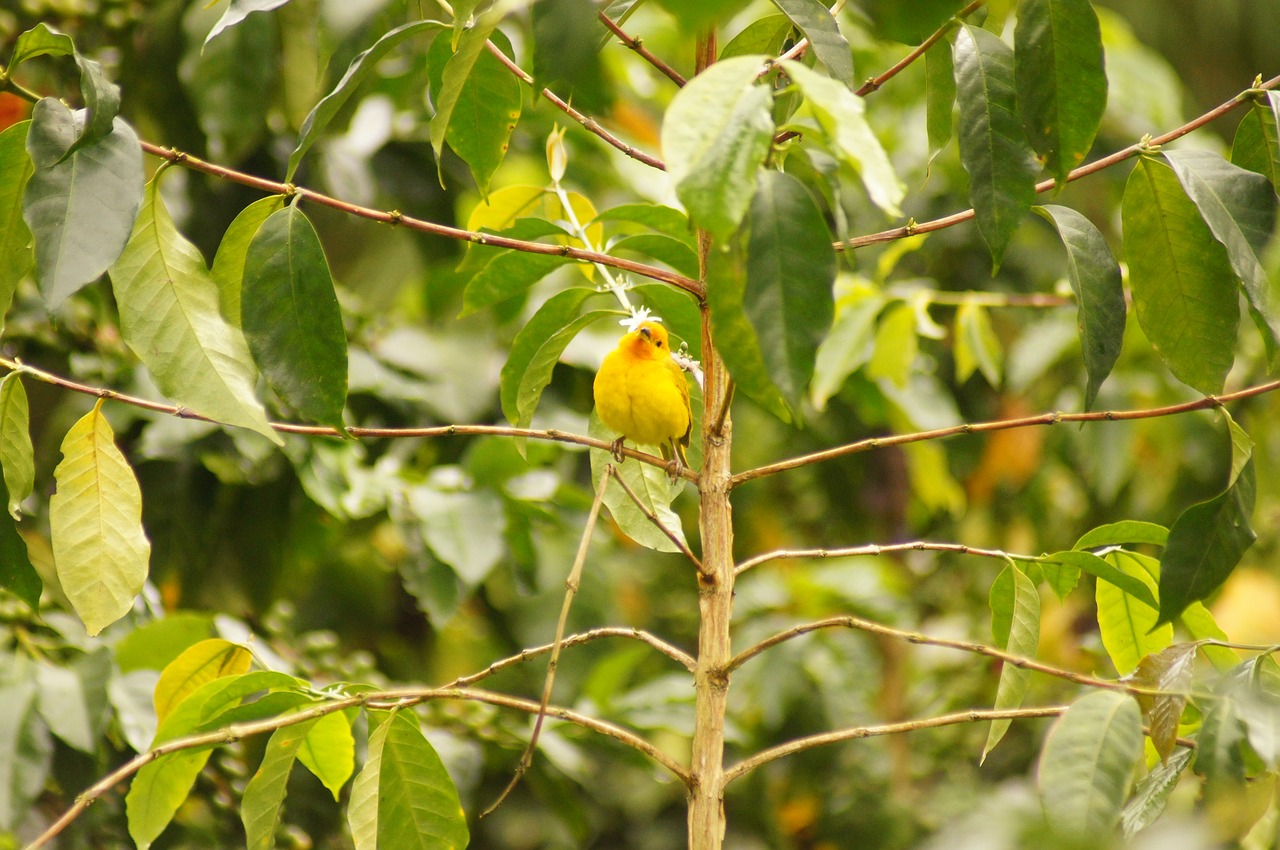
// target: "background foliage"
[[289, 564]]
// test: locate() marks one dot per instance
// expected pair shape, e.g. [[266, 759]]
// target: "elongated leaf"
[[763, 36], [558, 311], [738, 343], [1170, 672], [848, 347], [237, 11], [820, 27], [17, 574], [1002, 169], [1184, 289], [16, 255], [362, 810], [1205, 544], [95, 524], [198, 665], [1103, 569], [291, 317], [897, 343], [1219, 756], [466, 52], [1240, 208], [228, 263], [80, 208], [977, 346], [657, 217], [101, 100], [1200, 624], [1257, 142], [538, 373], [264, 795], [840, 114], [1087, 763], [25, 748], [1129, 625], [1015, 625], [506, 275], [673, 252], [940, 95], [1152, 793], [40, 40], [418, 805], [1062, 85], [652, 486], [329, 751], [715, 136], [17, 457], [1125, 531], [358, 69], [169, 317], [790, 268], [73, 698], [1095, 279]]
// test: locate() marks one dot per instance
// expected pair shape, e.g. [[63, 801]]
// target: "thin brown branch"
[[653, 518], [355, 431], [872, 549], [875, 83], [589, 123], [809, 742], [1206, 403], [679, 656], [571, 585], [390, 699], [643, 52], [398, 219], [1083, 171]]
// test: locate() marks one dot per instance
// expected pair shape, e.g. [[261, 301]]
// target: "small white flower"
[[639, 315]]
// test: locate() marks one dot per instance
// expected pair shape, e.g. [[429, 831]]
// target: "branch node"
[[1213, 400], [290, 190], [176, 155], [394, 217]]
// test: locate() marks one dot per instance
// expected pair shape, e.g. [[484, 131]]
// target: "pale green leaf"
[[228, 263], [1201, 625], [418, 805], [265, 792], [848, 347], [1015, 625], [896, 345], [17, 257], [651, 484], [198, 665], [1125, 531], [1152, 793], [977, 346], [329, 751], [818, 24], [17, 457], [1129, 625], [26, 749], [237, 11]]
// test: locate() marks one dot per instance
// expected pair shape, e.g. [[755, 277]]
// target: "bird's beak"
[[644, 332]]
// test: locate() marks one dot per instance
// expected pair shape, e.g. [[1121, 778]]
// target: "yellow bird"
[[641, 393]]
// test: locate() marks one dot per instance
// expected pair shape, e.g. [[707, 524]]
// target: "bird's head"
[[649, 340]]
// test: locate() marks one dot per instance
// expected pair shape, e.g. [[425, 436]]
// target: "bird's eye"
[[658, 343]]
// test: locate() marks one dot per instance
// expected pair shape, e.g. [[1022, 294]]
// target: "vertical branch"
[[715, 578]]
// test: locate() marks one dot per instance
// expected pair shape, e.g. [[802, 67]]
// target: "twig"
[[571, 585], [1082, 171], [809, 742], [354, 431], [1205, 403], [643, 52], [653, 518], [872, 549], [589, 123], [875, 83], [679, 656]]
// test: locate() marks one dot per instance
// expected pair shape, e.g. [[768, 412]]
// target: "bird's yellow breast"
[[639, 397]]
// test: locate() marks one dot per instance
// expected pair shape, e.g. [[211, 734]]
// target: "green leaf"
[[848, 347], [664, 219], [790, 268], [291, 317], [1219, 755], [1015, 625], [95, 525], [738, 343], [1205, 544], [1184, 289], [818, 24], [1200, 624], [1062, 85], [1168, 671], [763, 36], [1257, 142], [463, 528], [457, 71], [1087, 764], [73, 699], [25, 748], [17, 457], [976, 344], [1129, 625], [715, 136], [1125, 531], [1240, 208], [840, 114], [357, 71], [487, 108], [896, 345], [910, 23], [153, 645], [506, 275], [329, 751], [651, 484], [101, 100], [404, 797], [17, 574], [169, 317], [1152, 794], [40, 40], [1241, 446], [80, 208], [674, 252], [566, 55], [1002, 169], [196, 666], [237, 11], [939, 95], [228, 263], [1090, 563], [16, 256], [264, 795], [552, 317], [1095, 279]]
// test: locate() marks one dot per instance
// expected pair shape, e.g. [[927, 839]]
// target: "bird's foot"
[[675, 469], [616, 449]]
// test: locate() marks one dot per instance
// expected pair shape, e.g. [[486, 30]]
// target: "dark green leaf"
[[552, 317], [16, 255], [94, 193], [466, 52], [486, 111], [506, 275], [566, 55], [359, 68], [940, 95], [715, 136], [17, 575], [1095, 279], [1062, 85], [1125, 531], [819, 26], [763, 36], [910, 23], [1093, 565], [1002, 169], [1205, 544], [1015, 625], [291, 317], [790, 268], [1257, 142], [666, 220], [1184, 289], [238, 10], [1240, 208], [101, 100], [537, 373], [228, 263], [1087, 764]]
